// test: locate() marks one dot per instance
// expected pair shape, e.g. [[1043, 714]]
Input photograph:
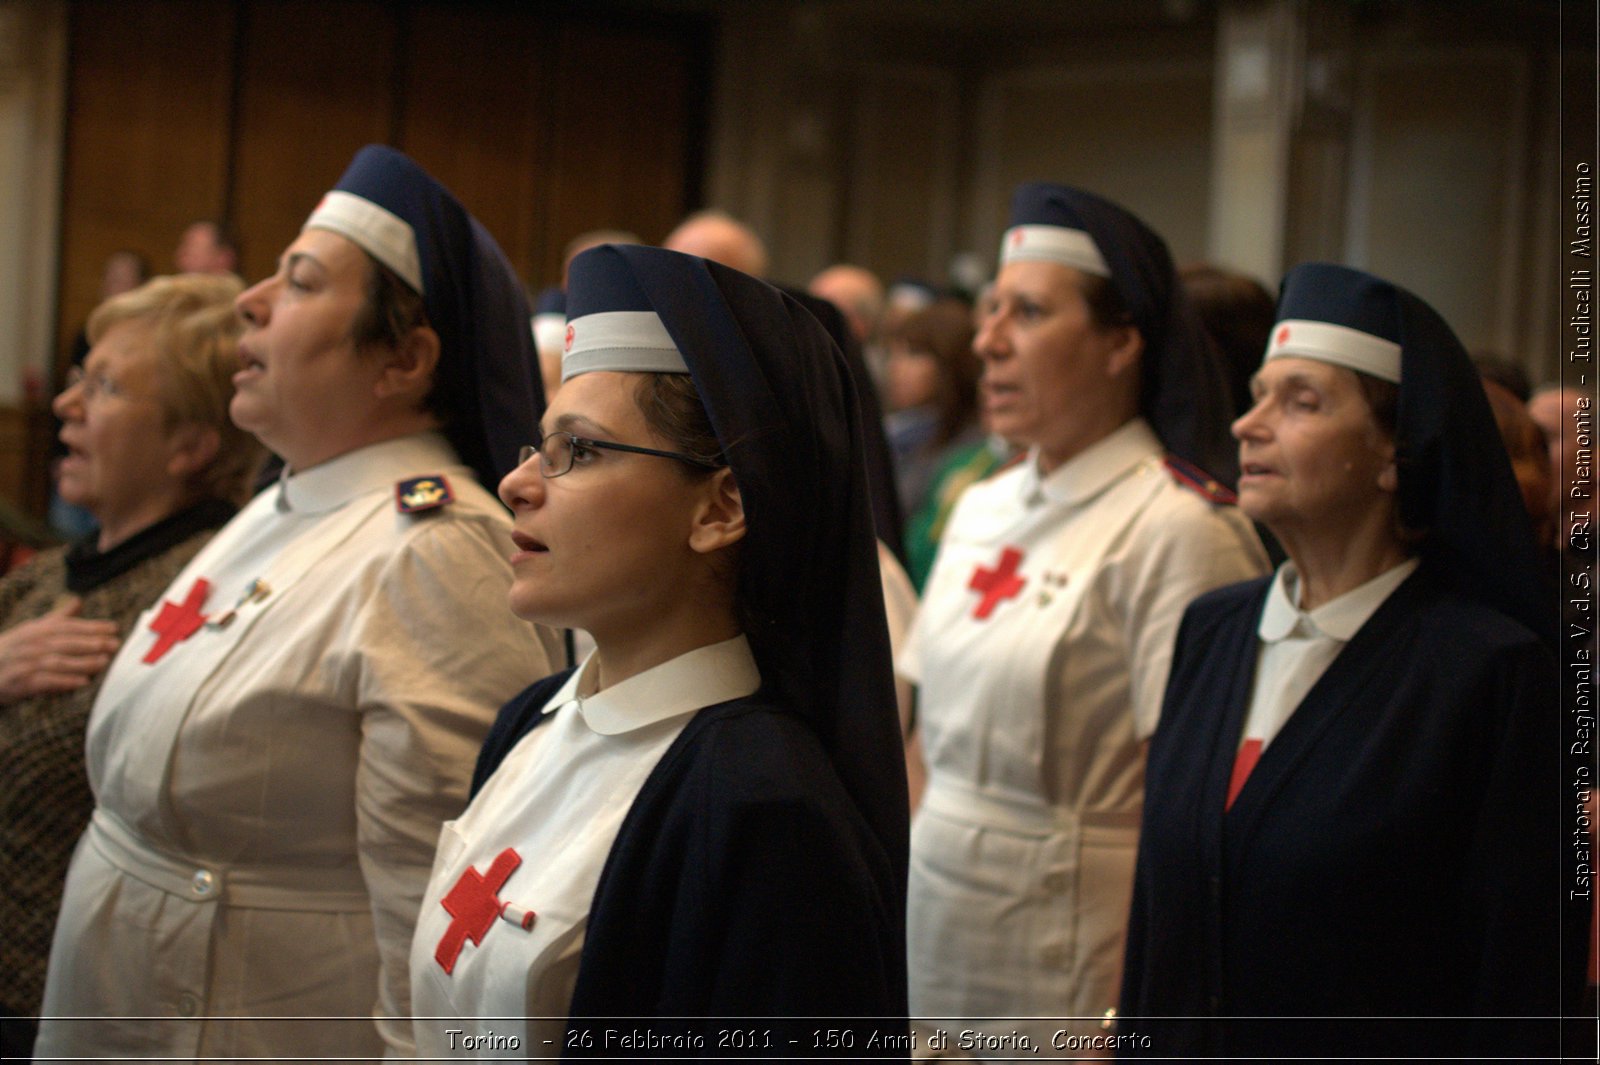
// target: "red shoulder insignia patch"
[[1192, 477], [423, 493]]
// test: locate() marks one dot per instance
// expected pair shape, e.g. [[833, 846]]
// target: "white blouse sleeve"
[[1184, 552]]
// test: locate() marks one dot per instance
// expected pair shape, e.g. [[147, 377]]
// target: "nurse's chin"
[[535, 605], [248, 413]]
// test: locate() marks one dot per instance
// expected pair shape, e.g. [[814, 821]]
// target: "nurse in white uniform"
[[706, 819], [1041, 649], [276, 744]]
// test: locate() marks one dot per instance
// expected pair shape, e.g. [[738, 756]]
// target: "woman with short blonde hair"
[[160, 472], [192, 321]]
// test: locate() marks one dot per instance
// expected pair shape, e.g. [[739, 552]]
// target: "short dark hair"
[[1107, 309], [392, 310], [671, 407], [943, 331], [1384, 399], [1237, 313]]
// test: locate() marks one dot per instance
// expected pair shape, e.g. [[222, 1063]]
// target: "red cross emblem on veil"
[[571, 332], [473, 904], [996, 584], [1283, 336]]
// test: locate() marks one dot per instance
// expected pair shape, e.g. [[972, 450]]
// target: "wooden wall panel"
[[903, 180], [476, 108], [1436, 202], [147, 136], [317, 82], [1134, 128], [14, 442], [545, 124], [624, 113]]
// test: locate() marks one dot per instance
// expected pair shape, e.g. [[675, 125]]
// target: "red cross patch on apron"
[[473, 905]]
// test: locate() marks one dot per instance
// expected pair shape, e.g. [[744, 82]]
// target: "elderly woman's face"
[[114, 426], [1313, 460], [303, 388], [1051, 376]]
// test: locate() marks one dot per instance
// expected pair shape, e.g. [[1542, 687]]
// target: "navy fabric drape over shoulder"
[[760, 872], [1389, 880], [1394, 856]]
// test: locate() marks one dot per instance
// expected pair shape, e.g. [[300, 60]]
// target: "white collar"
[[1093, 469], [335, 482], [703, 677], [1339, 618]]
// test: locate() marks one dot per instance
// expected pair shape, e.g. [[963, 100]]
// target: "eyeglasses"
[[558, 451], [93, 385]]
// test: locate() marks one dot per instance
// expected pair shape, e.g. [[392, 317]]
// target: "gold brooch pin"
[[254, 592]]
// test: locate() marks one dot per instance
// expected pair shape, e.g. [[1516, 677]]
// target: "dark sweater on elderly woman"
[[45, 800]]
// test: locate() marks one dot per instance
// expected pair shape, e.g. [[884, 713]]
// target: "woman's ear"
[[1127, 346], [191, 447], [719, 519], [409, 368], [1388, 472], [1389, 476]]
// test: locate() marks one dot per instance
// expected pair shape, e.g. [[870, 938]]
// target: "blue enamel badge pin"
[[423, 493]]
